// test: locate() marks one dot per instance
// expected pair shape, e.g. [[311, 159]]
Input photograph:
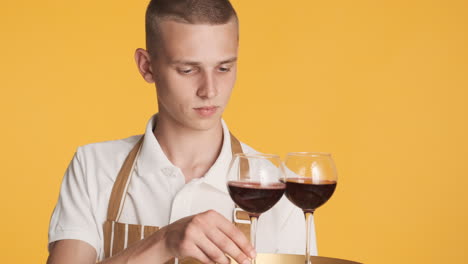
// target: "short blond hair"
[[185, 11]]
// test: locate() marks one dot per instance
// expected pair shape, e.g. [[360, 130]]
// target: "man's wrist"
[[151, 248]]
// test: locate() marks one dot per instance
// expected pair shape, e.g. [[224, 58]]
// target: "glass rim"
[[257, 155], [309, 154]]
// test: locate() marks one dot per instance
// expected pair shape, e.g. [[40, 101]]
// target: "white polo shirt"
[[158, 195]]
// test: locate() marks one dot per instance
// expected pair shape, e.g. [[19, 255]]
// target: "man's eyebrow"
[[195, 63], [185, 62], [229, 60]]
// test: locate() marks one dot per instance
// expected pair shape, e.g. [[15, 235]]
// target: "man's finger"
[[200, 256], [233, 233], [214, 253], [228, 246]]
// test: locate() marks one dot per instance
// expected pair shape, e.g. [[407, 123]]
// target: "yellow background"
[[382, 85]]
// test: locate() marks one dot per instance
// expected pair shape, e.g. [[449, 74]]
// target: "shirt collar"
[[151, 157], [152, 161]]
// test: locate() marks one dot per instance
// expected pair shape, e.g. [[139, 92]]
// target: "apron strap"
[[235, 145], [240, 215], [237, 148], [121, 182]]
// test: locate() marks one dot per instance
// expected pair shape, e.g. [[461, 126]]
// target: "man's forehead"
[[194, 62], [171, 26], [196, 43]]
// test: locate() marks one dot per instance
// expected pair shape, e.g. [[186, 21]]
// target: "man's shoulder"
[[247, 149], [108, 149]]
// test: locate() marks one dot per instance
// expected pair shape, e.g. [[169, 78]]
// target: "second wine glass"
[[310, 182], [256, 182]]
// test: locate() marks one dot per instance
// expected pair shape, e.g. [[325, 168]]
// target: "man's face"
[[195, 70]]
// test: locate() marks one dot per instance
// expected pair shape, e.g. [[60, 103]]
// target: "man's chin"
[[206, 123]]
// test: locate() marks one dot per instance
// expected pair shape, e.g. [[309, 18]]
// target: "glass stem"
[[253, 233], [308, 218]]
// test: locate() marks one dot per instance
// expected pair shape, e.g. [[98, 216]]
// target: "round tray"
[[289, 259]]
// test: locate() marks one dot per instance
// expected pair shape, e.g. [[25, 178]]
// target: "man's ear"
[[143, 61]]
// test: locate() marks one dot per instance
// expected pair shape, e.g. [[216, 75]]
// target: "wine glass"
[[256, 182], [310, 181]]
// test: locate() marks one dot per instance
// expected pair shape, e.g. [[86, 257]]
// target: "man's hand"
[[207, 237]]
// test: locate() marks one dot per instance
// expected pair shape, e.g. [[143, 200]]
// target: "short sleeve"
[[73, 216]]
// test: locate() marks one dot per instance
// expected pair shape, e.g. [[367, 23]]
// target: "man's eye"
[[224, 69], [185, 71]]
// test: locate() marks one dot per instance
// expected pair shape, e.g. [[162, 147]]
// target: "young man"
[[152, 198]]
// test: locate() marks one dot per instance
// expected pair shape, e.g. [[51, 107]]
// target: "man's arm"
[[71, 251], [206, 237]]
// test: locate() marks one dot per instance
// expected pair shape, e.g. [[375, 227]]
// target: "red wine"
[[254, 197], [309, 195]]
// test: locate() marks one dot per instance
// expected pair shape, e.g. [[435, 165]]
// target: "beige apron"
[[118, 236]]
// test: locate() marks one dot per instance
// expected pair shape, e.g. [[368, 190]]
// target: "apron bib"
[[119, 236]]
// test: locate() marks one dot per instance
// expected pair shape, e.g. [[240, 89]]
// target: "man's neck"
[[193, 151]]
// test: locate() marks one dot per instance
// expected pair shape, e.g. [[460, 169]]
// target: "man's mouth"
[[206, 111]]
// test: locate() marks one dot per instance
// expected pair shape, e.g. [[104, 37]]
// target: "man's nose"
[[208, 88]]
